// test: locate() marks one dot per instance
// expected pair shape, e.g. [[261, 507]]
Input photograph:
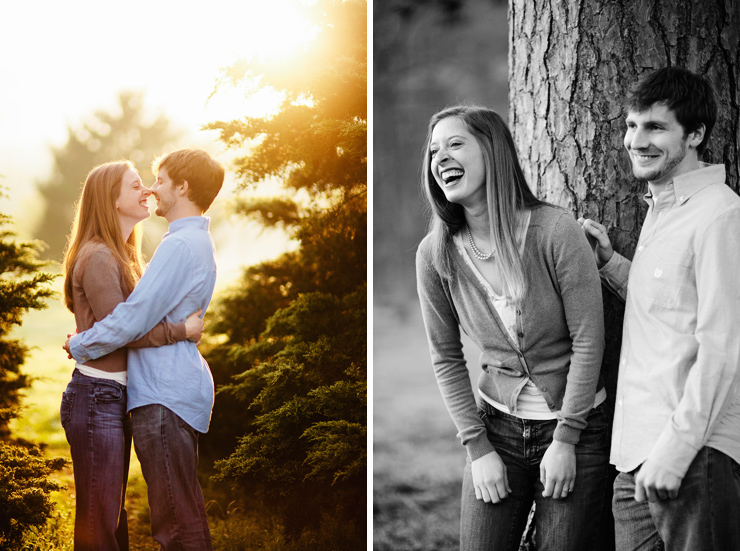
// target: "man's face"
[[164, 191], [657, 144]]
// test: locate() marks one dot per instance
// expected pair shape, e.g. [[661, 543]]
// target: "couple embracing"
[[138, 372]]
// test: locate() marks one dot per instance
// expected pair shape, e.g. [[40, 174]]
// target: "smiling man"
[[676, 438], [170, 388]]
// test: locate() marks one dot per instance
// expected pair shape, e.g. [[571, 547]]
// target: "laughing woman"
[[101, 266], [517, 276]]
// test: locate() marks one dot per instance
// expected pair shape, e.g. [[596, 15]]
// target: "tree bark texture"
[[570, 67], [571, 64]]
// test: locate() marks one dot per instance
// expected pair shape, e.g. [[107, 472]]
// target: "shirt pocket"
[[661, 273]]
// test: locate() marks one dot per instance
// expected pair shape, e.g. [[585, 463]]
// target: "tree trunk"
[[570, 67]]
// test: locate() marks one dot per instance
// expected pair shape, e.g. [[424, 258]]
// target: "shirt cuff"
[[672, 453], [616, 272], [78, 352], [479, 446], [179, 332], [566, 434]]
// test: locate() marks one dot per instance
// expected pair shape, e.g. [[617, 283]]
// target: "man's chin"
[[646, 175], [159, 212]]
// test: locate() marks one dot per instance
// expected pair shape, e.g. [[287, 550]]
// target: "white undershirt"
[[118, 376]]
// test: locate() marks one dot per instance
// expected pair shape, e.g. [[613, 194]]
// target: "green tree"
[[24, 474], [128, 134], [295, 327], [22, 288]]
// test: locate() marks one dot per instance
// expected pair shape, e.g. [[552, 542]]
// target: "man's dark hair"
[[688, 95]]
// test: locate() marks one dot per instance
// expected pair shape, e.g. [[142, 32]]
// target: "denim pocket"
[[65, 411], [107, 394], [595, 436], [736, 469], [597, 420]]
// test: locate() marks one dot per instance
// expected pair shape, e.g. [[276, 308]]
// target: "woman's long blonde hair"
[[96, 221], [507, 195]]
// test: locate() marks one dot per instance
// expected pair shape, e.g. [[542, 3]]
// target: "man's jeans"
[[167, 448], [704, 516], [93, 414], [565, 524]]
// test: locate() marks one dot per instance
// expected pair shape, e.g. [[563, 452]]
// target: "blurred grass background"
[[418, 460]]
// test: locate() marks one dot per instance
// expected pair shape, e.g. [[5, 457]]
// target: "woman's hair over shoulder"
[[507, 193], [96, 221]]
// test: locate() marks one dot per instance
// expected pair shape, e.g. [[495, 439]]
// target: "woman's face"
[[132, 202], [457, 163]]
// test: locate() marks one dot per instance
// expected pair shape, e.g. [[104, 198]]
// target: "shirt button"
[[544, 389], [680, 198], [620, 401], [521, 334], [640, 248]]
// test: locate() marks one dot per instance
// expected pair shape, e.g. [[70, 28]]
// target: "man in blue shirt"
[[170, 388]]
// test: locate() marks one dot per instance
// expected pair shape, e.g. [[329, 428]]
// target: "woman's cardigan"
[[560, 328]]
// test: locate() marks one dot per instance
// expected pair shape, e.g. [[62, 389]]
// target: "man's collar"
[[686, 185], [189, 222]]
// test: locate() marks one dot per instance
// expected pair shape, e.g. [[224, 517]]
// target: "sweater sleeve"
[[580, 291], [450, 369], [101, 281]]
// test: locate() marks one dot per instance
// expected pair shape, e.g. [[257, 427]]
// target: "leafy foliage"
[[311, 394], [24, 482], [293, 331], [107, 137], [22, 288], [24, 492]]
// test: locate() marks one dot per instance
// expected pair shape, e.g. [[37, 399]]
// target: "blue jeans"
[[566, 524], [93, 414], [704, 516], [167, 448]]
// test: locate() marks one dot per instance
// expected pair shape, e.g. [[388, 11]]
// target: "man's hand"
[[558, 470], [66, 344], [654, 483], [598, 239], [194, 327], [489, 478]]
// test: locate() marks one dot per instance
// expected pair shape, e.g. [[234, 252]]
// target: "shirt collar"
[[189, 222], [686, 185]]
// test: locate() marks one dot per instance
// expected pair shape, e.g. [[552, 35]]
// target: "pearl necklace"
[[476, 251]]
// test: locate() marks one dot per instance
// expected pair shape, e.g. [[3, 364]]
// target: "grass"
[[417, 459]]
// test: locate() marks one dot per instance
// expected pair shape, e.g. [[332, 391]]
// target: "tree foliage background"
[[24, 474], [290, 364], [127, 133]]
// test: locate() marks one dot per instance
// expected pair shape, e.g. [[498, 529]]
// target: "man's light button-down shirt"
[[680, 360]]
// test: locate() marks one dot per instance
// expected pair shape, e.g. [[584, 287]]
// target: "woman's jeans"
[[98, 430], [704, 517], [568, 524]]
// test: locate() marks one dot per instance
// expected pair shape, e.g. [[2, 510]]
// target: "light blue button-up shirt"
[[178, 281]]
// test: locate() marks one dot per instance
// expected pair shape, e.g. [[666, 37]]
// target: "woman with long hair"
[[517, 275], [102, 264]]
